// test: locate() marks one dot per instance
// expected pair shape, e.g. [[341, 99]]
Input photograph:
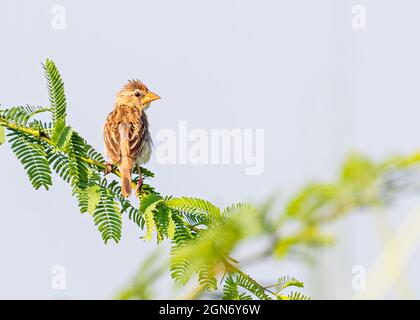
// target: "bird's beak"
[[149, 97]]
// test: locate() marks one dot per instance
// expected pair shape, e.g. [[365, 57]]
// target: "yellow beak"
[[149, 97]]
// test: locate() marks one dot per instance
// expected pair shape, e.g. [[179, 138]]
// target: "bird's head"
[[135, 94]]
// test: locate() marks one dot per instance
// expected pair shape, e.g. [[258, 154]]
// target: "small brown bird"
[[128, 143]]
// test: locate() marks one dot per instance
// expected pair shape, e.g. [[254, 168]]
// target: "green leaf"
[[146, 173], [297, 296], [62, 136], [359, 171], [233, 282], [230, 289], [309, 236], [134, 214], [146, 201], [150, 219], [195, 206], [89, 198], [56, 91], [252, 286], [93, 154], [287, 281], [179, 267], [78, 170], [60, 164], [207, 277], [107, 217], [33, 157], [147, 207], [20, 116], [179, 264]]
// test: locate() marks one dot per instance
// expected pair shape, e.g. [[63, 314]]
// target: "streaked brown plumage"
[[126, 133]]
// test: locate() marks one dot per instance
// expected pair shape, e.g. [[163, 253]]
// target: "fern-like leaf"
[[297, 296], [148, 206], [79, 171], [89, 198], [134, 214], [195, 206], [252, 286], [235, 209], [60, 164], [33, 157], [287, 281], [207, 277], [56, 92], [62, 136], [180, 265], [93, 154], [107, 217], [230, 289], [20, 116]]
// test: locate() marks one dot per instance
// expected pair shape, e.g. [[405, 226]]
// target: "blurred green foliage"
[[298, 228]]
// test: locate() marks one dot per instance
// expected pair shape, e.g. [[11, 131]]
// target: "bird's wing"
[[112, 138], [124, 124]]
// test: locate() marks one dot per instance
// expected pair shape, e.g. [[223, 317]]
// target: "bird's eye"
[[137, 94]]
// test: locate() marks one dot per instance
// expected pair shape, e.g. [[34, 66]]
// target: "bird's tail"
[[127, 162], [125, 170]]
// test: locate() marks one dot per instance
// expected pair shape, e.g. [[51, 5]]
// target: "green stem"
[[46, 109]]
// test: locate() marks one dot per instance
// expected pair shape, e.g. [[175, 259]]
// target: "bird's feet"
[[139, 184], [108, 168]]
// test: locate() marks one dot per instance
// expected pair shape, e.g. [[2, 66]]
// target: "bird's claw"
[[108, 168]]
